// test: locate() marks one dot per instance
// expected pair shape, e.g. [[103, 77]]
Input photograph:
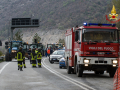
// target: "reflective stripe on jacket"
[[39, 56], [36, 51], [33, 57], [19, 56]]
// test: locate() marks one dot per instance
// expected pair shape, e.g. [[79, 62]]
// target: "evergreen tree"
[[18, 36], [61, 41], [36, 37]]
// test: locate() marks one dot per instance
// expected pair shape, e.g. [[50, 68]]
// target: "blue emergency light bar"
[[98, 24], [15, 41]]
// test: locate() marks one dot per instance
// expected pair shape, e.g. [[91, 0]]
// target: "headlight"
[[59, 57], [86, 61], [14, 51], [50, 56], [114, 65], [115, 61]]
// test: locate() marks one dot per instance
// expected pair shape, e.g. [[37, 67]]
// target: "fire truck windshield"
[[15, 44], [100, 35]]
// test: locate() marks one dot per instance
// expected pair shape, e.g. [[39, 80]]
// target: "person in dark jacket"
[[51, 50], [24, 60], [46, 52]]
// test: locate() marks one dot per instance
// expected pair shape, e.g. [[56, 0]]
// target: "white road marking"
[[3, 67], [81, 85]]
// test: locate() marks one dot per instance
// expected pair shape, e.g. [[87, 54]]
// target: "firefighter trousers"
[[33, 63], [39, 62], [24, 63], [30, 59], [20, 65]]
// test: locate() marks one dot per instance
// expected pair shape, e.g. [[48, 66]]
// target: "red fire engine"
[[92, 47]]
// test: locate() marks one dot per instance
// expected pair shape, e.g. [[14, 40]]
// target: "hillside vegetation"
[[53, 14]]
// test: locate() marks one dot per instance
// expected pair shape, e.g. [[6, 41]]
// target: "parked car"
[[56, 56], [62, 63]]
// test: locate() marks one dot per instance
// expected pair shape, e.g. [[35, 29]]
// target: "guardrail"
[[2, 58]]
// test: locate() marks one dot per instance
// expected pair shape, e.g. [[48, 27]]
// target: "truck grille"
[[106, 53], [100, 61]]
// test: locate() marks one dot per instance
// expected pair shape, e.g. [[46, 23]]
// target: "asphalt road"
[[49, 77]]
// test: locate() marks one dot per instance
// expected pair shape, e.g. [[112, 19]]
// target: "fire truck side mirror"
[[78, 42], [73, 29], [0, 43], [76, 36], [6, 43]]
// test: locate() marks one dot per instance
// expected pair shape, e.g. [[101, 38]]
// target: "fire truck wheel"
[[79, 70], [75, 68], [112, 72], [68, 69], [101, 72], [96, 72], [72, 71]]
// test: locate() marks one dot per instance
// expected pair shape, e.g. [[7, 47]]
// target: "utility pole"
[[8, 30]]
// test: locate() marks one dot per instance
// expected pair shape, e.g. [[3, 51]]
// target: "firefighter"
[[20, 57], [39, 57], [29, 52], [46, 52], [33, 57], [24, 60], [36, 50]]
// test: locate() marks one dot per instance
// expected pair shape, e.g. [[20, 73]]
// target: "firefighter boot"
[[24, 66], [21, 69], [35, 65], [18, 67], [32, 65], [39, 66]]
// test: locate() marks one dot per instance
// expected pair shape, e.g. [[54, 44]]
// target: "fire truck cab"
[[92, 47]]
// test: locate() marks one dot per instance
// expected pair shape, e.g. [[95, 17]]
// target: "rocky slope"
[[47, 36], [60, 14]]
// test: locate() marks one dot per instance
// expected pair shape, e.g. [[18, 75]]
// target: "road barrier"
[[116, 80]]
